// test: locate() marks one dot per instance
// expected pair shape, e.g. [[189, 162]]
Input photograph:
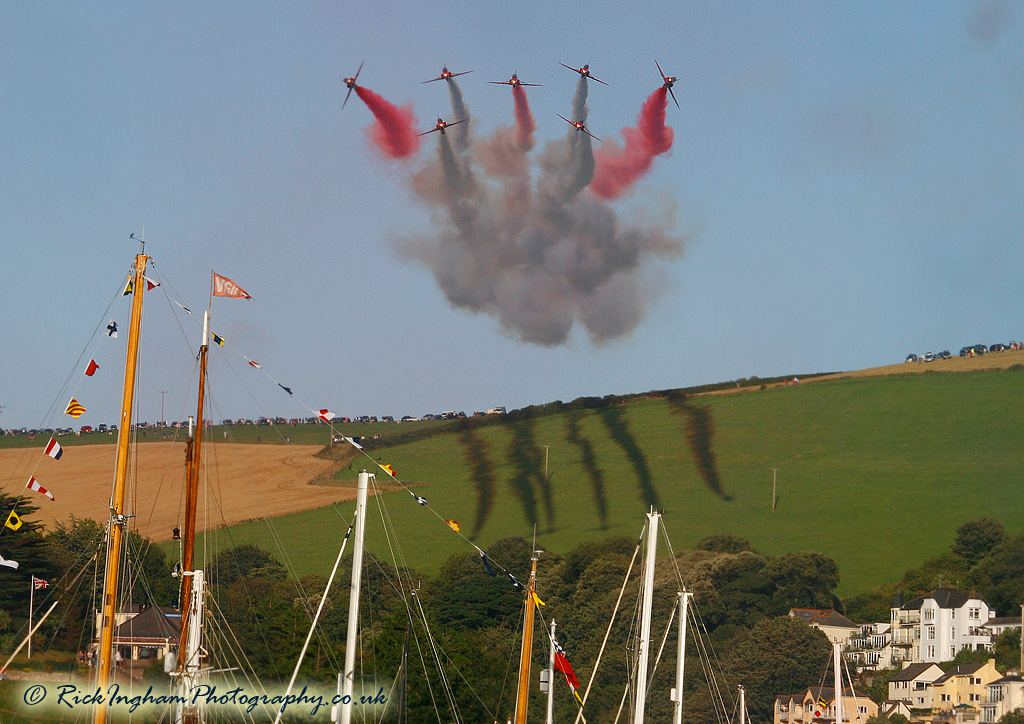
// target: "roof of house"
[[945, 597], [827, 693], [156, 622], [1003, 621], [960, 670], [912, 671], [823, 617], [1008, 679]]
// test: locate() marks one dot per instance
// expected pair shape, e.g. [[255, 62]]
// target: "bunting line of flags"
[[54, 449]]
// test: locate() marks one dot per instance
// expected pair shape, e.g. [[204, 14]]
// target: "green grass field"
[[876, 472]]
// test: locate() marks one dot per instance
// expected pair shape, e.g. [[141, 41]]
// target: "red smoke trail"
[[394, 128], [617, 170], [525, 124]]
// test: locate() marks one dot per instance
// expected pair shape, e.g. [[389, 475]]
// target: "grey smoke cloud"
[[538, 255]]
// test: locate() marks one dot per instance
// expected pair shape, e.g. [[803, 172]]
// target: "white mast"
[[346, 680], [677, 692], [837, 677], [743, 704], [551, 677], [645, 617], [191, 655]]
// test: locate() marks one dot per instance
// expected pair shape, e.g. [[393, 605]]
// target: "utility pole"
[[546, 449], [775, 473], [162, 393]]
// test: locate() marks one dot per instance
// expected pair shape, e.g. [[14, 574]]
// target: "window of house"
[[929, 614], [974, 613], [931, 633], [952, 633], [954, 614], [931, 652], [945, 697]]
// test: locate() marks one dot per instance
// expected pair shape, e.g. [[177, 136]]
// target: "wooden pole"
[[523, 694], [115, 532]]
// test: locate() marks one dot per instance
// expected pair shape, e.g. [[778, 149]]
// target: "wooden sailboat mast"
[[117, 517], [191, 499], [522, 697]]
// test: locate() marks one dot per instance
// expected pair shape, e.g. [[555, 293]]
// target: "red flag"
[[91, 369], [454, 525], [38, 583], [150, 284], [53, 449], [257, 365], [33, 484], [224, 287], [562, 664], [326, 415]]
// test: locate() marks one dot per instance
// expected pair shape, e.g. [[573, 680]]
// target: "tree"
[[975, 539], [724, 543], [246, 560], [781, 656], [1014, 717], [1000, 576], [26, 546], [802, 580]]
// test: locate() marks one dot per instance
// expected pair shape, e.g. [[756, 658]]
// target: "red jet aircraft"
[[445, 75], [669, 82], [350, 83], [441, 125], [513, 81], [579, 126], [584, 71]]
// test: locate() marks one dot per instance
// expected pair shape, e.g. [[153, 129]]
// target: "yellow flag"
[[454, 525], [536, 599], [389, 470], [13, 521]]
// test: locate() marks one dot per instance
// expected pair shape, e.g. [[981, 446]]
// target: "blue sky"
[[846, 176]]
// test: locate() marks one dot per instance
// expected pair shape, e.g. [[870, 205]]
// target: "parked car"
[[911, 358], [998, 347]]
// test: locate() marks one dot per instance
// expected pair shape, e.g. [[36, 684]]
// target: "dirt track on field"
[[245, 482]]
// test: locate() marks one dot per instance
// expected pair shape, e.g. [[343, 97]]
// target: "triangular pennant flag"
[[127, 290], [536, 599], [75, 408], [217, 339], [515, 581], [33, 484], [9, 564], [325, 415], [257, 365], [224, 287], [454, 525], [391, 471], [13, 521], [53, 449], [420, 499], [286, 389], [91, 369], [112, 328], [150, 284]]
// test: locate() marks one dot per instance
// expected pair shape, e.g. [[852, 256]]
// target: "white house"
[[1002, 696], [936, 626]]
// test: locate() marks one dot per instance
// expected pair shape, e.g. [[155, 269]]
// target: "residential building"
[[1002, 696], [833, 624], [817, 706], [963, 685], [912, 684], [936, 626], [146, 633], [996, 626]]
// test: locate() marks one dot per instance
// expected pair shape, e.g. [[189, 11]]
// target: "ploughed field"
[[245, 482]]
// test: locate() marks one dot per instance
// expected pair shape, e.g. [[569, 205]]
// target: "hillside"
[[876, 468], [875, 471]]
